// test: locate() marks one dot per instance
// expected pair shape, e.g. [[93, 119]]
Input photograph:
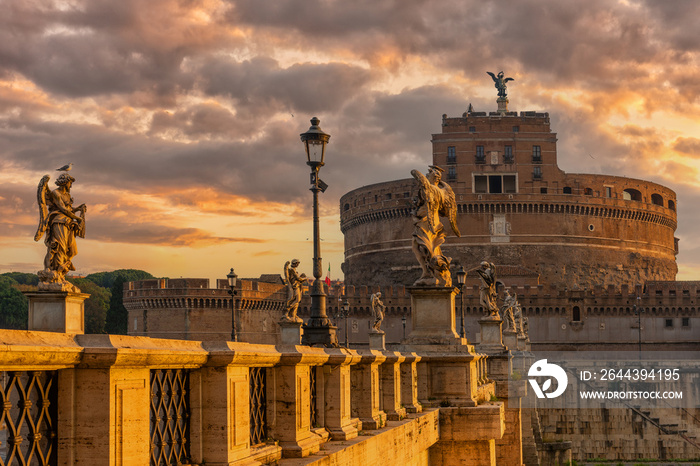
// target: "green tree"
[[117, 316], [96, 306], [14, 307], [23, 278]]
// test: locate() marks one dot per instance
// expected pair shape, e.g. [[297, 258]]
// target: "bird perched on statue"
[[65, 168]]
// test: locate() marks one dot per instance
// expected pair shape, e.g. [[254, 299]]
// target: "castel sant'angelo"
[[590, 258], [516, 208]]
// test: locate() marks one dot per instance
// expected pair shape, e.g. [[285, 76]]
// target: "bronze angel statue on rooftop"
[[62, 223], [435, 199], [500, 82]]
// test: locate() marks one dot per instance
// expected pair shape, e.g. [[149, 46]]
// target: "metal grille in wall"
[[258, 406], [29, 418], [170, 417], [312, 390]]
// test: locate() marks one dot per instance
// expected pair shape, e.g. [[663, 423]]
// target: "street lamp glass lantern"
[[232, 277], [461, 276], [315, 141]]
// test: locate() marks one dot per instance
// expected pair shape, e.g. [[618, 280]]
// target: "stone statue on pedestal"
[[508, 311], [435, 199], [293, 280], [487, 291], [62, 223], [378, 310]]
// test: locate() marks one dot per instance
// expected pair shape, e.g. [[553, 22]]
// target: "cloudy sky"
[[182, 118]]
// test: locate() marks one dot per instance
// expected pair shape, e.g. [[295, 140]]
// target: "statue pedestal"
[[433, 316], [510, 339], [290, 332], [57, 311], [522, 343], [502, 105], [491, 336], [377, 340]]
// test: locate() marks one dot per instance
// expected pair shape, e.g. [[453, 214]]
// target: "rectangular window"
[[608, 191], [543, 190], [509, 184], [686, 322], [451, 154], [669, 323], [480, 156], [516, 129], [472, 129], [495, 184], [537, 173], [452, 173], [480, 182], [508, 154], [536, 154]]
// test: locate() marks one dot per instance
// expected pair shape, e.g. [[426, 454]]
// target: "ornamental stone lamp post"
[[232, 277], [319, 330], [461, 278]]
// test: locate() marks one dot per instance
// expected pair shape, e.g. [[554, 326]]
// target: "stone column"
[[365, 390], [56, 311], [289, 402], [468, 435], [409, 383], [391, 386], [336, 395], [220, 394]]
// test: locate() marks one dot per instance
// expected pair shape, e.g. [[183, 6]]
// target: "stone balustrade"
[[123, 400]]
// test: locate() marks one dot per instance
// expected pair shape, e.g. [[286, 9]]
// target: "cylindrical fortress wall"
[[602, 230]]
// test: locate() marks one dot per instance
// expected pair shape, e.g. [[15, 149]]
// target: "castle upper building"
[[516, 207]]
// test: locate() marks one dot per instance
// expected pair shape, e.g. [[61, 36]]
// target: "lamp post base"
[[326, 336]]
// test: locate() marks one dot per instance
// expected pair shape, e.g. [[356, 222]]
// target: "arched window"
[[588, 191], [346, 207], [657, 199], [576, 314], [631, 195], [671, 205]]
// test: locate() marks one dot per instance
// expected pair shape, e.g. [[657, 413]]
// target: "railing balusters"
[[170, 417], [258, 406]]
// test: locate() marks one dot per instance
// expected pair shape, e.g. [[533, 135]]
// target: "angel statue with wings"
[[61, 223], [435, 199], [293, 280], [500, 82]]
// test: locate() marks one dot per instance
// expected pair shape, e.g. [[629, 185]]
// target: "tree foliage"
[[96, 306], [104, 309], [14, 307], [117, 317]]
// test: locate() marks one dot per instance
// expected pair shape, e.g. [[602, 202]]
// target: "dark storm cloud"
[[100, 47], [261, 85]]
